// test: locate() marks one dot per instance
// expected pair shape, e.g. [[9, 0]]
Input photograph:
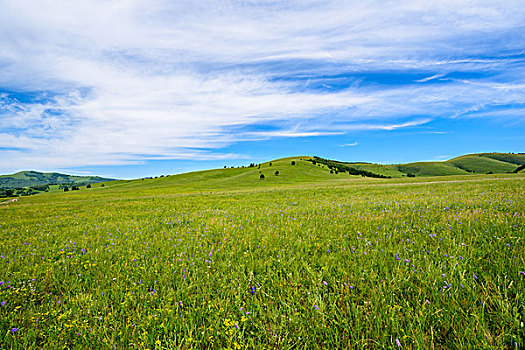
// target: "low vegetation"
[[306, 259]]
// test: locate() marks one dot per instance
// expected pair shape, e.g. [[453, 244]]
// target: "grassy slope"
[[482, 164], [381, 169], [240, 178], [518, 159], [302, 173]]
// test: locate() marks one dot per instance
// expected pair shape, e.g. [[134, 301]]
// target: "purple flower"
[[3, 303], [316, 307], [398, 342], [406, 260], [475, 277], [523, 273], [253, 290], [443, 275], [427, 301], [325, 283], [14, 329]]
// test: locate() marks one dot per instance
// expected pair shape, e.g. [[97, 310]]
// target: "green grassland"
[[303, 259]]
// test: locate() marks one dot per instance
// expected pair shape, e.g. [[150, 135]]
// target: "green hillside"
[[431, 169], [35, 178], [518, 159], [480, 163], [305, 170], [241, 178], [383, 169]]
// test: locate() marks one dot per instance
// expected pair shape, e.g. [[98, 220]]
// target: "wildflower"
[[14, 329], [398, 342], [316, 307], [406, 260], [253, 290], [3, 303], [427, 301], [475, 277], [325, 283], [523, 273]]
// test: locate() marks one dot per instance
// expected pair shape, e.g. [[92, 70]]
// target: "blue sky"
[[130, 89]]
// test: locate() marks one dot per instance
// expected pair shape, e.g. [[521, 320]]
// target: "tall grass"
[[436, 265]]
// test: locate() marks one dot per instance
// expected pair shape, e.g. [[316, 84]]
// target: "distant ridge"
[[23, 179], [478, 163]]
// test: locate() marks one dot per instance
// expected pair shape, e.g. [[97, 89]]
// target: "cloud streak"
[[123, 82]]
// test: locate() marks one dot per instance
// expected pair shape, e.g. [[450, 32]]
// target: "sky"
[[130, 89]]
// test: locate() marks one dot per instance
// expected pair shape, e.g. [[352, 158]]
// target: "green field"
[[303, 259]]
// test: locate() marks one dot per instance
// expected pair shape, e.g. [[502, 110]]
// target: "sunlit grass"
[[355, 264]]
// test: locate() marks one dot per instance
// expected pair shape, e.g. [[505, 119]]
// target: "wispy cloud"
[[435, 76], [349, 144], [92, 83]]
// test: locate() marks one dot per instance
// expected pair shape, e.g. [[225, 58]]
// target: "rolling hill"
[[479, 163], [281, 172], [35, 178]]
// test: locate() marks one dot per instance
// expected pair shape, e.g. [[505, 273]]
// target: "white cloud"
[[129, 81], [349, 144], [435, 76]]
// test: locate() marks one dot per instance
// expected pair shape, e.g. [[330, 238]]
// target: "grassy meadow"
[[303, 259]]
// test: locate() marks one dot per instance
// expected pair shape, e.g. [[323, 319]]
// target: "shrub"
[[277, 172], [66, 189], [293, 163], [261, 177], [88, 186]]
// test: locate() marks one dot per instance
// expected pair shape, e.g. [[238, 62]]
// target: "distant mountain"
[[35, 178]]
